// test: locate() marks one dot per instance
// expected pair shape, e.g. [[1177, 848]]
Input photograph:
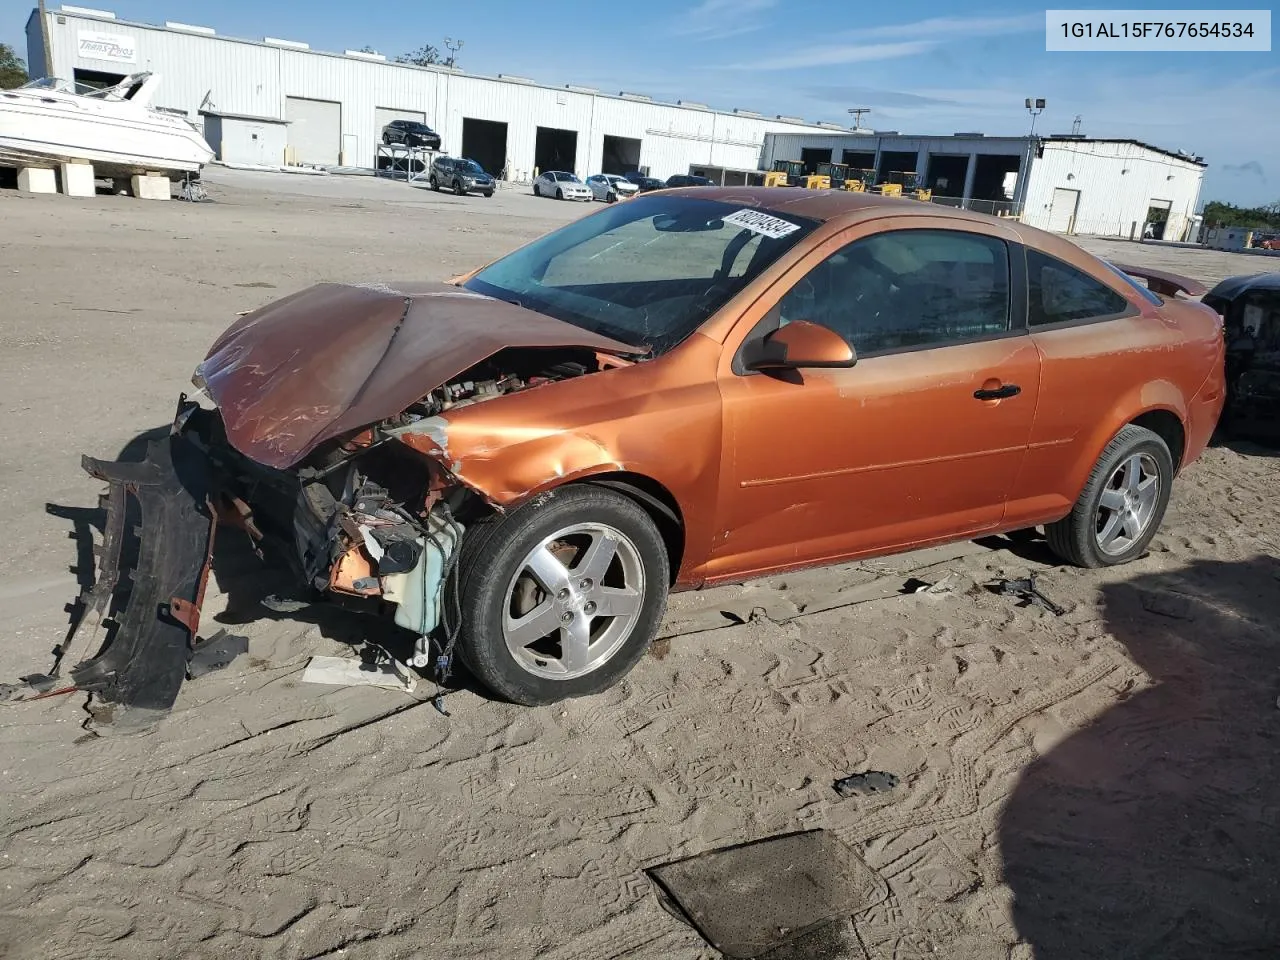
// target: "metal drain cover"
[[749, 899]]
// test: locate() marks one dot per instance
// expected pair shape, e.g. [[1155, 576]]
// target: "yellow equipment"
[[816, 181], [860, 180], [922, 194], [889, 189], [785, 173], [837, 174]]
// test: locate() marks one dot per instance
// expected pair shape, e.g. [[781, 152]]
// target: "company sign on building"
[[106, 46]]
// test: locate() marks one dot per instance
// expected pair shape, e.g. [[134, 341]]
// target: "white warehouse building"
[[275, 101], [1063, 183]]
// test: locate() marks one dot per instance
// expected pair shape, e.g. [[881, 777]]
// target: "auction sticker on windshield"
[[762, 223]]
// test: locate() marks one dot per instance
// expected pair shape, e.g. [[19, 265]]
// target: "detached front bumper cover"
[[151, 577]]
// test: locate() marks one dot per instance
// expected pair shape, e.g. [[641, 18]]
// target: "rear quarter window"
[[1059, 293]]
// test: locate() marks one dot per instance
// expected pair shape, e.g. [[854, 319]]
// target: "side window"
[[907, 289], [1057, 292]]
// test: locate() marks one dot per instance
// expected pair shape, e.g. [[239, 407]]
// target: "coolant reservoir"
[[419, 592]]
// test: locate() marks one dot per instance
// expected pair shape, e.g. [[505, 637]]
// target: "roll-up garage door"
[[315, 129]]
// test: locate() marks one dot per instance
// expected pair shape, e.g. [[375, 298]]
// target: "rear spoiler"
[[1162, 282]]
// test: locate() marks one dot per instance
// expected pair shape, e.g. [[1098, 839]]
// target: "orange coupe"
[[699, 386]]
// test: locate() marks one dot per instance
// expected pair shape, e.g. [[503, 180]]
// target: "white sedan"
[[610, 187], [561, 185]]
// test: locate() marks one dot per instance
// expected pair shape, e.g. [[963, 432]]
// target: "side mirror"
[[797, 345]]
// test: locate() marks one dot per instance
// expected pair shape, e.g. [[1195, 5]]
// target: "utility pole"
[[48, 45]]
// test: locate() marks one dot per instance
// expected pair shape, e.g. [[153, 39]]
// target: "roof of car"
[[852, 206]]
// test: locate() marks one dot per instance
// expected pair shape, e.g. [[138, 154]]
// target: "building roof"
[[187, 30], [1175, 154]]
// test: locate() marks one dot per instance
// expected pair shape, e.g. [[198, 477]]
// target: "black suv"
[[689, 180], [645, 183], [412, 133], [461, 175]]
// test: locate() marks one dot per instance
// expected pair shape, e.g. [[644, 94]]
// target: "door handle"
[[999, 393]]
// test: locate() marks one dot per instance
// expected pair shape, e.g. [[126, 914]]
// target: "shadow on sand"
[[1155, 832]]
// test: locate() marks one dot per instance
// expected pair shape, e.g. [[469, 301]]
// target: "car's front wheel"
[[559, 194], [386, 138], [1122, 504], [537, 191], [561, 597], [435, 184], [611, 197]]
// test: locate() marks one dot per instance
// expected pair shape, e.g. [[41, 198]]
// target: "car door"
[[1096, 347], [596, 183], [921, 441]]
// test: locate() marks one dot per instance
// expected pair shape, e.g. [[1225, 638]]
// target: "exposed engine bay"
[[365, 519]]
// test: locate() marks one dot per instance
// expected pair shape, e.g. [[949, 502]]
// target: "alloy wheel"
[[1128, 504], [573, 601]]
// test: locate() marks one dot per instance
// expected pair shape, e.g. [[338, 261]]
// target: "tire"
[[559, 194], [611, 197], [386, 139], [1077, 539], [495, 581], [537, 191], [488, 194], [435, 184], [457, 188]]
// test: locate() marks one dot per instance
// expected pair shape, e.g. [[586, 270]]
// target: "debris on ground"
[[1175, 606], [215, 652], [753, 898], [1027, 591], [346, 672], [866, 784]]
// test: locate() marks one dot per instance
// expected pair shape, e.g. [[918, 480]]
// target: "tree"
[[13, 71], [424, 56], [1218, 214]]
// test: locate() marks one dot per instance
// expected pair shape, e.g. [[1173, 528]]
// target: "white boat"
[[51, 121]]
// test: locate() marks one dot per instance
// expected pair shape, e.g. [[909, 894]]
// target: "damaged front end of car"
[[330, 455]]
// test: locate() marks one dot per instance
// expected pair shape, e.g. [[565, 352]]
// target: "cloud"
[[1252, 169], [904, 40], [876, 98], [717, 19], [839, 53]]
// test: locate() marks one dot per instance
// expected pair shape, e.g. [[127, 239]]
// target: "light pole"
[[1035, 107]]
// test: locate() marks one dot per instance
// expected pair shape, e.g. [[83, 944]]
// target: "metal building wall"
[[1117, 182], [253, 78]]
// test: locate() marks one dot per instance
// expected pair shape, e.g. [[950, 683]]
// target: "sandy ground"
[[1103, 783]]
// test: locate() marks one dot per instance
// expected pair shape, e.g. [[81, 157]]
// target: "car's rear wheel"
[[563, 596], [1122, 505]]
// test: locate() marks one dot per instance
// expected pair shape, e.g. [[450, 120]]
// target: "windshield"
[[647, 272], [417, 128], [470, 166], [565, 177]]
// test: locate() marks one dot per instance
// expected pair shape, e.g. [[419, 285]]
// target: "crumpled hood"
[[337, 357]]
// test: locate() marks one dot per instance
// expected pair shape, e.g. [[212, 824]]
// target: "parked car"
[[693, 388], [561, 185], [610, 187], [646, 183], [1250, 307], [461, 175], [689, 180], [411, 133]]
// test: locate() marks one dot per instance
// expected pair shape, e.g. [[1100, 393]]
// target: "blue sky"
[[923, 67]]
